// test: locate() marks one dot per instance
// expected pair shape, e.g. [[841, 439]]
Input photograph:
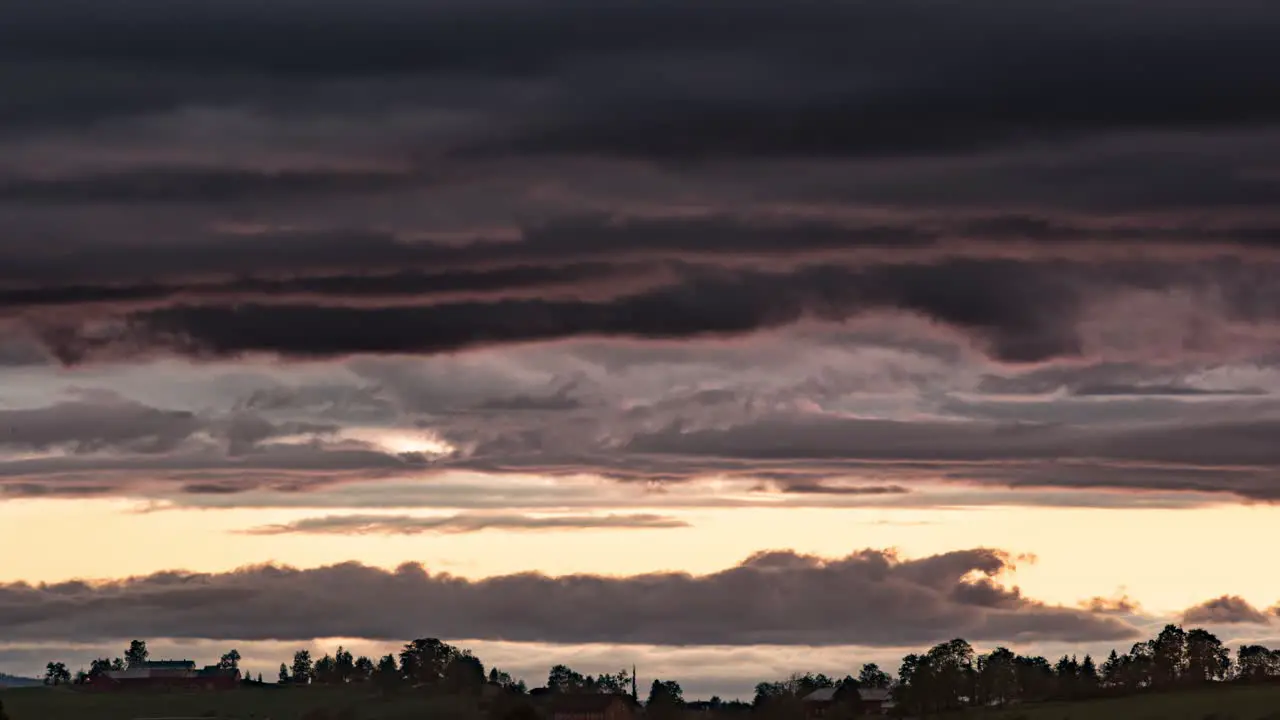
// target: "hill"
[[13, 681]]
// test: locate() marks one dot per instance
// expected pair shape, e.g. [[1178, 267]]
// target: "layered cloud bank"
[[212, 196], [867, 598], [525, 267]]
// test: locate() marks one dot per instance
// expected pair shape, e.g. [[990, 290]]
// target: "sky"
[[728, 339]]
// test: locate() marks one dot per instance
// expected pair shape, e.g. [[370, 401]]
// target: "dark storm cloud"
[[164, 185], [205, 469], [1088, 190], [105, 423], [1022, 315], [577, 280], [457, 524], [88, 426], [736, 79], [1228, 609], [868, 598], [1241, 443]]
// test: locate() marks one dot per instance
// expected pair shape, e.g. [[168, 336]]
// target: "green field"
[[249, 703], [1220, 703]]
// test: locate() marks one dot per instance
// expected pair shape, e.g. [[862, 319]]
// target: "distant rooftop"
[[873, 694], [821, 695], [168, 664]]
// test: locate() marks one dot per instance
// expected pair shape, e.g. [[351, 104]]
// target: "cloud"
[[88, 426], [1225, 610], [819, 488], [871, 597], [1017, 454], [887, 99], [455, 524], [1122, 605]]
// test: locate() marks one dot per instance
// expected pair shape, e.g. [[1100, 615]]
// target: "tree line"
[[949, 676]]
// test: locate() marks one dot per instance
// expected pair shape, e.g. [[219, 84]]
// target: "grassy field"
[[244, 704], [1221, 703]]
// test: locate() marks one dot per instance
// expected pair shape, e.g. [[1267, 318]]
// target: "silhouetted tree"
[[1113, 671], [1207, 658], [464, 674], [1067, 672], [1169, 656], [666, 699], [1256, 663], [997, 677], [3, 715], [117, 664], [387, 675], [344, 665], [424, 660], [1139, 666], [230, 660], [1035, 678], [949, 674], [136, 654], [56, 673], [284, 674], [506, 682], [99, 666], [363, 669], [871, 676], [563, 679], [325, 671], [301, 672], [1088, 676], [618, 683]]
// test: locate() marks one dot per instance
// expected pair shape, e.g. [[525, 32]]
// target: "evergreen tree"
[[1088, 675]]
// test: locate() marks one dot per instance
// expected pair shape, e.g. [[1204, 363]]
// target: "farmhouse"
[[871, 701], [166, 674]]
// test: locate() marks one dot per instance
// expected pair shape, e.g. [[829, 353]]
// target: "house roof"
[[168, 664], [585, 702], [864, 694], [820, 695]]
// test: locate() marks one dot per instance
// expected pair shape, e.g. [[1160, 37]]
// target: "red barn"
[[166, 675]]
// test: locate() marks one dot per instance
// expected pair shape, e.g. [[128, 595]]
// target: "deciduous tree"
[[230, 660], [871, 676], [56, 673], [137, 654], [301, 672], [1207, 658]]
